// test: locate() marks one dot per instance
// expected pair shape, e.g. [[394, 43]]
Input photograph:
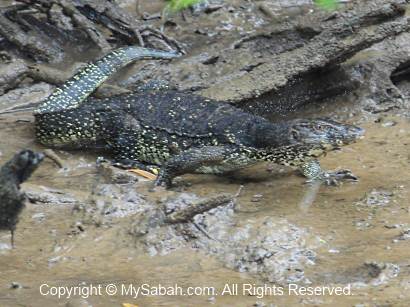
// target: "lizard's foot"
[[333, 178], [163, 179], [314, 172]]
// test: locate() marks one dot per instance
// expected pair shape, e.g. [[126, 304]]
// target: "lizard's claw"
[[163, 180], [333, 178]]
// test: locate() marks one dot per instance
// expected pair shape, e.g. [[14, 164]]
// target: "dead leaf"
[[143, 173]]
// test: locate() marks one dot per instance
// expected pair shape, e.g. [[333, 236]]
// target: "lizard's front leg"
[[129, 146], [313, 171], [192, 159]]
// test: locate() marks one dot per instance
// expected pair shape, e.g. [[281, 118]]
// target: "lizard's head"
[[323, 134], [293, 142]]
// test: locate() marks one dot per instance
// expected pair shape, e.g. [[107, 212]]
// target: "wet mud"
[[80, 227], [90, 223]]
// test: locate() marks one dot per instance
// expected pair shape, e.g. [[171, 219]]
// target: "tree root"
[[105, 24], [84, 23], [35, 45]]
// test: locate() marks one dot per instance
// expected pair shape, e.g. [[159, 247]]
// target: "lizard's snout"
[[353, 133]]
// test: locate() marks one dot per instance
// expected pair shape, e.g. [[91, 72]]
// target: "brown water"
[[351, 231]]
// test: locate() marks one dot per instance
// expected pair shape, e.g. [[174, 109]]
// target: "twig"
[[238, 193], [201, 206], [201, 229], [168, 40], [49, 153]]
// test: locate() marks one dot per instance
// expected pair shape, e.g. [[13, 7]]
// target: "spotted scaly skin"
[[181, 132], [77, 89]]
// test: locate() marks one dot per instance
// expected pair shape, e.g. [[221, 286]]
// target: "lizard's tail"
[[82, 84]]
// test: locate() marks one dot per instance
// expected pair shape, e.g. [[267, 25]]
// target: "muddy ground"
[[88, 224]]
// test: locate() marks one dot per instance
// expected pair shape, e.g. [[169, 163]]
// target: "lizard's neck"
[[272, 135]]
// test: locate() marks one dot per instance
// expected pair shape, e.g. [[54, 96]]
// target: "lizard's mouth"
[[352, 135]]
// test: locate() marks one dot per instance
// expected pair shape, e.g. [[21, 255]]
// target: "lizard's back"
[[149, 126], [186, 116]]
